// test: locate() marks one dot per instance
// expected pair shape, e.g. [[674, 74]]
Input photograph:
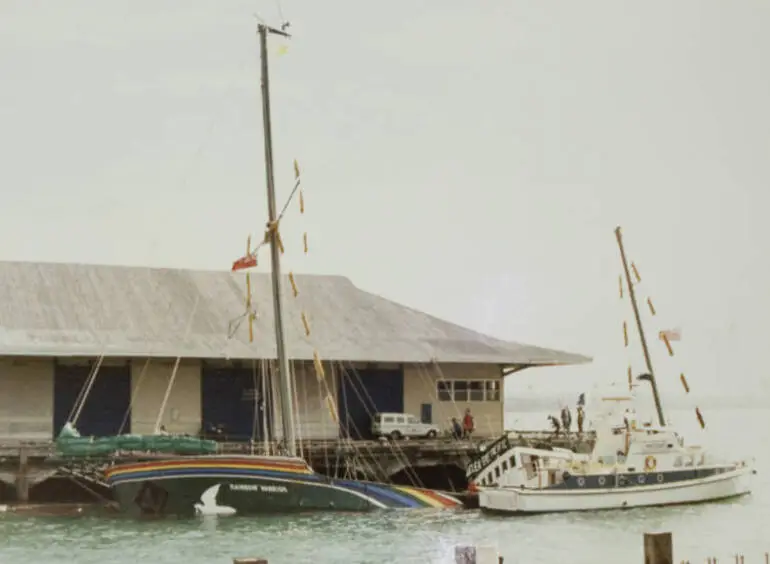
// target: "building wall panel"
[[26, 398], [183, 410], [420, 387], [315, 418]]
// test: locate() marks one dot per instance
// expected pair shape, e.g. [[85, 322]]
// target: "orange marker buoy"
[[668, 344], [319, 367], [305, 324], [652, 308], [332, 408], [279, 241], [700, 418]]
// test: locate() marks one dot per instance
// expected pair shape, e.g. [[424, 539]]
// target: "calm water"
[[720, 529]]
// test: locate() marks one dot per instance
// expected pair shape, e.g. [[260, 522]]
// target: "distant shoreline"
[[549, 403]]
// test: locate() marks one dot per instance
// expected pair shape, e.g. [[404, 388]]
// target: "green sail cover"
[[70, 443]]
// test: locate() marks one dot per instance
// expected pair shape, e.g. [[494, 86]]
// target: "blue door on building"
[[106, 409], [364, 392], [232, 402]]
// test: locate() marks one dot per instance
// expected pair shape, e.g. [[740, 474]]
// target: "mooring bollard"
[[249, 561], [658, 548], [477, 555]]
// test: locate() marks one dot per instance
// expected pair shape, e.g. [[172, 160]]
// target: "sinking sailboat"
[[257, 484], [632, 464]]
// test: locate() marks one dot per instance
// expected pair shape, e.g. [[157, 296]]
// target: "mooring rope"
[[90, 381]]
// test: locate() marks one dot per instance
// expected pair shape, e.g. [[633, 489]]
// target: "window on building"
[[476, 388], [444, 388], [493, 390], [461, 390], [468, 390]]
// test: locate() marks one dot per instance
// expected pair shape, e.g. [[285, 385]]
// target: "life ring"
[[650, 463]]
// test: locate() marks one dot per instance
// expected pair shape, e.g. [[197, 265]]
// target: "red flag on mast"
[[247, 261]]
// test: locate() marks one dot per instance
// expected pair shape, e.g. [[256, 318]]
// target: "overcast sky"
[[469, 159]]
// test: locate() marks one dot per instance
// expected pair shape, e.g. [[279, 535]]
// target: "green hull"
[[219, 485], [187, 497]]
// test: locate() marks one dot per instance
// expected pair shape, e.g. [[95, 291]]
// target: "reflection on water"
[[719, 529]]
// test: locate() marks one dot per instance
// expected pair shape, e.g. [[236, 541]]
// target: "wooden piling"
[[465, 555], [658, 548], [22, 477]]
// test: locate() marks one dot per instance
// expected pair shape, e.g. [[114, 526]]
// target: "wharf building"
[[56, 320]]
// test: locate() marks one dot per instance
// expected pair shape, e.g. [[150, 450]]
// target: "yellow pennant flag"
[[282, 50]]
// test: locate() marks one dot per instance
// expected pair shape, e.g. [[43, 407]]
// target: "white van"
[[400, 425]]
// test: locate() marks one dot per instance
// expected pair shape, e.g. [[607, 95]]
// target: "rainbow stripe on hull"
[[254, 485]]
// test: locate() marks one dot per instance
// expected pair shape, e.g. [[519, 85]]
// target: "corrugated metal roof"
[[87, 310]]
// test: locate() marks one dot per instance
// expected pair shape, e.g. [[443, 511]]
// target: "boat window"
[[505, 465], [444, 388], [513, 461], [497, 472], [412, 420], [388, 419], [401, 419], [476, 388]]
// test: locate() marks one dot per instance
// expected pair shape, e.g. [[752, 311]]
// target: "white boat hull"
[[523, 500]]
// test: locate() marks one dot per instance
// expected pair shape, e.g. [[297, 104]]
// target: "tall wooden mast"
[[642, 338], [287, 398]]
